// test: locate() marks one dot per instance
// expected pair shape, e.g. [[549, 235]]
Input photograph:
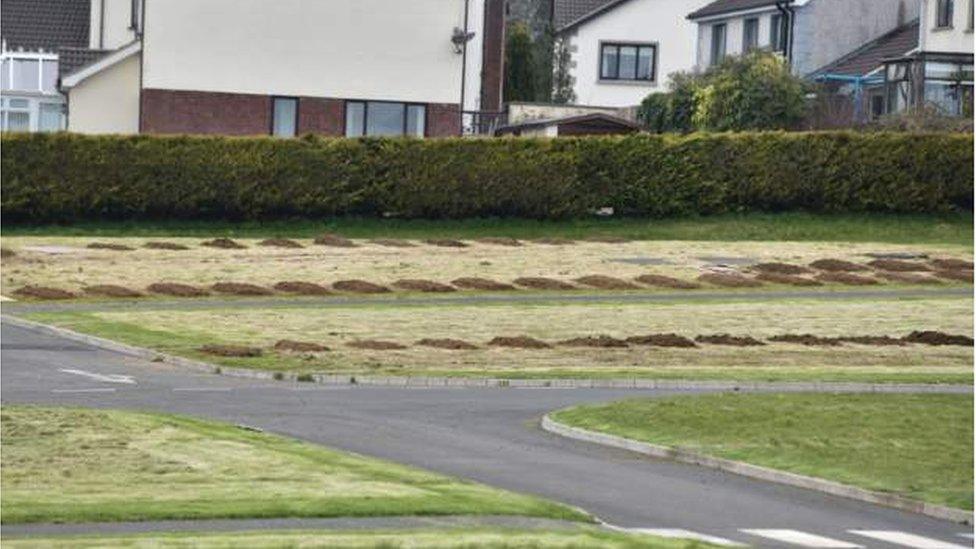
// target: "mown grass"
[[79, 465], [913, 445], [954, 229]]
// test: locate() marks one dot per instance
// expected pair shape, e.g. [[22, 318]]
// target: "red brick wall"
[[321, 116], [443, 120], [194, 112]]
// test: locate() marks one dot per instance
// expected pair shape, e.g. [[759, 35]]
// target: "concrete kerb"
[[463, 382], [759, 473]]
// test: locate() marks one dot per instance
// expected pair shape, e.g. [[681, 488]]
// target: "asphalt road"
[[487, 435]]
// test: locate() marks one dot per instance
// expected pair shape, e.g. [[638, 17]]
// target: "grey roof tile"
[[868, 57], [719, 7], [45, 24]]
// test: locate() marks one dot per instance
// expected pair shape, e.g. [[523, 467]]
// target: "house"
[[809, 33], [619, 51], [31, 36], [288, 67]]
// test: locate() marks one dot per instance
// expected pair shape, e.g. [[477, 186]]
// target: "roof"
[[72, 59], [569, 13], [105, 61], [598, 118], [45, 24], [870, 56], [719, 7]]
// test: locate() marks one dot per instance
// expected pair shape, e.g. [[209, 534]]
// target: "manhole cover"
[[642, 260], [720, 260]]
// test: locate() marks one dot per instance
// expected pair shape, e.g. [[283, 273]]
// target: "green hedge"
[[64, 177]]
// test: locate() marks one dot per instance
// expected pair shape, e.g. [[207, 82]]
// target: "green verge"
[[80, 465], [956, 229], [913, 445], [585, 537]]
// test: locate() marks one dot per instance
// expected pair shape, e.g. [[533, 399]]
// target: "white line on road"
[[685, 534], [109, 378], [970, 536], [802, 539], [907, 540], [99, 390]]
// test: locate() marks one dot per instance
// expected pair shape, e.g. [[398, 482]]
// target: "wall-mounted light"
[[459, 38]]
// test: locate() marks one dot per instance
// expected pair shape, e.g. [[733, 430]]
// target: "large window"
[[718, 43], [943, 13], [376, 118], [628, 62], [284, 117], [750, 34], [30, 114], [33, 74]]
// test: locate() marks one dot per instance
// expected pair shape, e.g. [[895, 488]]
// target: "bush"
[[63, 177]]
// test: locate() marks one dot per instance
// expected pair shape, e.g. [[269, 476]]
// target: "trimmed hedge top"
[[64, 177]]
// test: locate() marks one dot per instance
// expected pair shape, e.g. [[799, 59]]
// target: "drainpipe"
[[464, 68], [786, 8]]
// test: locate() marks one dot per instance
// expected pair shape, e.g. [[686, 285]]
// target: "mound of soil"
[[359, 287], [165, 246], [606, 283], [603, 341], [43, 292], [445, 243], [780, 268], [393, 243], [240, 288], [301, 288], [541, 283], [176, 290], [280, 243], [605, 239], [846, 278], [420, 285], [6, 252], [475, 283], [873, 340], [792, 280], [726, 339], [952, 264], [224, 243], [729, 280], [662, 340], [334, 240], [667, 282], [109, 246], [554, 241], [898, 266], [907, 278], [806, 339], [938, 338], [376, 345], [111, 290], [451, 344], [837, 265], [499, 241], [299, 346], [961, 276], [230, 350], [520, 342]]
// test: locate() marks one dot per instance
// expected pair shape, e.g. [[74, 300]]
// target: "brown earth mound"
[[376, 345], [726, 339], [667, 282], [952, 264], [806, 339], [224, 243], [420, 285], [280, 243], [109, 246], [780, 268], [792, 280], [907, 278], [393, 243], [240, 288], [231, 350], [555, 241], [165, 246], [961, 276], [873, 340], [111, 290], [729, 280], [605, 239], [6, 252], [299, 346], [302, 288], [334, 240], [452, 344], [938, 338], [606, 283], [521, 342], [475, 283], [541, 283], [43, 292], [846, 278], [499, 241], [603, 341], [662, 340], [176, 290], [445, 243], [897, 265], [359, 287], [837, 265]]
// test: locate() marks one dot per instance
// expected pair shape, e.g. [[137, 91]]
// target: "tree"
[[562, 80], [520, 78]]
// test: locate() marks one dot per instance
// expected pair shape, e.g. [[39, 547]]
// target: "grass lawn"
[[584, 537], [918, 446], [956, 229], [79, 465]]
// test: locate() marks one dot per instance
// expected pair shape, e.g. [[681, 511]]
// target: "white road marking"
[[907, 540], [970, 536], [109, 378], [99, 390], [803, 539], [685, 534]]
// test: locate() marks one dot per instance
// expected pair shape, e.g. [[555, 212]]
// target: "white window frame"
[[34, 97]]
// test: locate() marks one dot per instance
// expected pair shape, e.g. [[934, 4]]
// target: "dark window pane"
[[750, 35], [718, 43], [384, 119], [628, 62], [776, 32], [355, 115], [416, 115], [645, 63], [608, 62]]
